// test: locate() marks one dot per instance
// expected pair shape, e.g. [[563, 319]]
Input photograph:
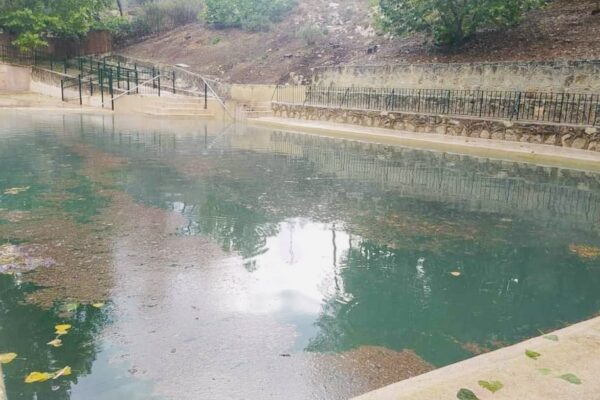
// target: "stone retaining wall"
[[578, 137], [535, 76]]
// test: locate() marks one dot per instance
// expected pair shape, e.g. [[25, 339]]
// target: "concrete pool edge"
[[489, 148], [576, 351]]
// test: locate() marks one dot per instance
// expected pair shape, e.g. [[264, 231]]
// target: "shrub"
[[450, 21], [311, 34]]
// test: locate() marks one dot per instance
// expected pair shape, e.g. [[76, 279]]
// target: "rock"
[[485, 134], [288, 55], [579, 143], [373, 49], [591, 130]]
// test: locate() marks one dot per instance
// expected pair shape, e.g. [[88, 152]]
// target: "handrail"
[[205, 80], [132, 89]]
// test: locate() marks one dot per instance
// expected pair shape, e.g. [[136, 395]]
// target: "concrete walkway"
[[501, 149], [577, 351], [3, 395]]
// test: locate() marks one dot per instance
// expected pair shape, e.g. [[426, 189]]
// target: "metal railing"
[[567, 108]]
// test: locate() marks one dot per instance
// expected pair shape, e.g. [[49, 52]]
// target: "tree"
[[32, 21], [450, 22]]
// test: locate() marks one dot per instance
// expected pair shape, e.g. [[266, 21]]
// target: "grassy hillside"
[[342, 33]]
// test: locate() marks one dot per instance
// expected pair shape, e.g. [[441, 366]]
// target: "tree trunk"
[[120, 6]]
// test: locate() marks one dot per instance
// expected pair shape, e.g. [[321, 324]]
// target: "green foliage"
[[34, 20], [153, 17], [311, 34], [492, 386], [250, 15], [450, 22]]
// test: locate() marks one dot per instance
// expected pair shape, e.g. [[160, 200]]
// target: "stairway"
[[255, 110], [179, 106]]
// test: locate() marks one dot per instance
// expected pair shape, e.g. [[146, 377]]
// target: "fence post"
[[153, 82], [205, 95], [101, 81], [173, 82], [127, 82], [91, 87], [65, 66], [110, 85], [137, 87], [79, 84], [158, 79], [62, 89], [119, 74]]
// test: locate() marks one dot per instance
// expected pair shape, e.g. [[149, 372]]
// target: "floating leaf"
[[62, 372], [532, 354], [62, 329], [55, 343], [37, 377], [492, 386], [98, 305], [466, 394], [545, 371], [7, 357], [571, 378], [554, 338], [16, 190], [455, 273]]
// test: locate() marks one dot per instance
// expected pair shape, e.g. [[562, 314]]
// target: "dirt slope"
[[565, 29]]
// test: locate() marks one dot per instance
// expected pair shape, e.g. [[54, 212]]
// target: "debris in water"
[[532, 354], [37, 377], [98, 305], [62, 372], [7, 357], [16, 190], [55, 343], [15, 258], [455, 273], [62, 329], [585, 252]]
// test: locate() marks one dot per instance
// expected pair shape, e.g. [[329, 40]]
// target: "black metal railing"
[[568, 108]]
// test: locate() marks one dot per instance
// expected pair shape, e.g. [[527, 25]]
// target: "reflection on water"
[[328, 245]]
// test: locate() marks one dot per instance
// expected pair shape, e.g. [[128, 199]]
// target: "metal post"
[[153, 75], [173, 79], [101, 81], [79, 83], [65, 68], [205, 95], [62, 89], [158, 78], [137, 86], [110, 84], [127, 81], [91, 87], [51, 64], [119, 74]]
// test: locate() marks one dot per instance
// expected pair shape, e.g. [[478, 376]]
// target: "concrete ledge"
[[490, 148], [577, 351]]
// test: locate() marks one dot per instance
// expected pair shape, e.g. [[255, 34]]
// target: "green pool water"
[[324, 246]]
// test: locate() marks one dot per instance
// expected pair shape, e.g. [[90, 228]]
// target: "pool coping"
[[576, 350], [534, 153]]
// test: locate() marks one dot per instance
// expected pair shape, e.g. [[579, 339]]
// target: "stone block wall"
[[540, 76], [578, 137]]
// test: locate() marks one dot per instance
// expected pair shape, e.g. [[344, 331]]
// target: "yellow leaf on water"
[[62, 372], [16, 190], [455, 273], [37, 377], [62, 329], [7, 357], [98, 305], [55, 343]]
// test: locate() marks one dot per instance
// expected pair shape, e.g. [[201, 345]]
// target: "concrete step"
[[180, 114]]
